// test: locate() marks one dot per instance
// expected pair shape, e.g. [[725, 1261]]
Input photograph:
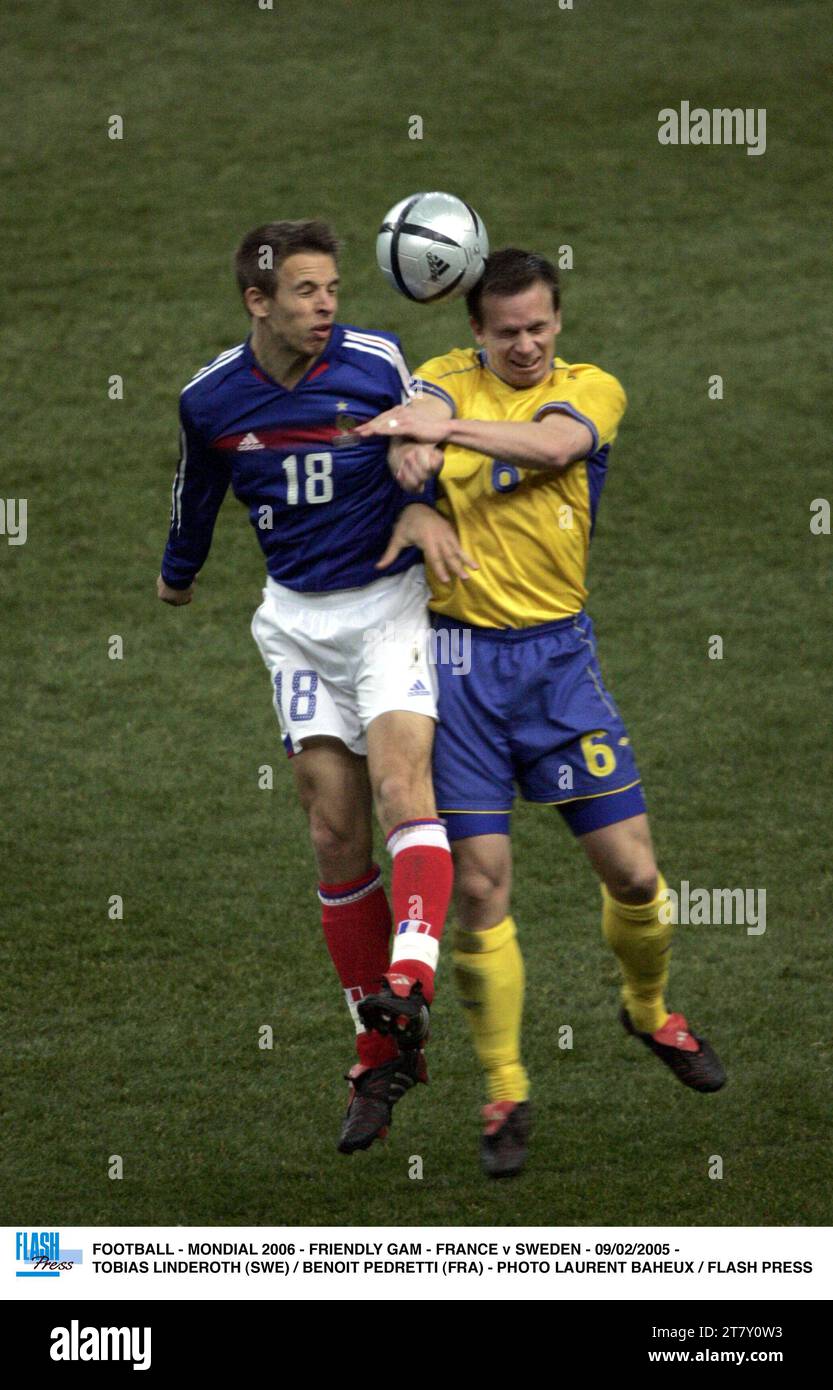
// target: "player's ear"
[[256, 302], [477, 330], [558, 320]]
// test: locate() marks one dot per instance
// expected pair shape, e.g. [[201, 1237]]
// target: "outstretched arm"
[[551, 443], [411, 460]]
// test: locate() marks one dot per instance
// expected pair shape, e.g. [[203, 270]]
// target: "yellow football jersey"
[[529, 530]]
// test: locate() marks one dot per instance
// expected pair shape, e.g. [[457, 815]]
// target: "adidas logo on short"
[[250, 441], [436, 266], [419, 689]]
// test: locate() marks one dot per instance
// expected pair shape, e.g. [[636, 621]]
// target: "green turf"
[[139, 777]]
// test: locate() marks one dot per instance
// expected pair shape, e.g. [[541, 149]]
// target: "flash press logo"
[[41, 1255], [76, 1343]]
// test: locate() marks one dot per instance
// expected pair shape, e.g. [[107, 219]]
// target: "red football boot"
[[692, 1059]]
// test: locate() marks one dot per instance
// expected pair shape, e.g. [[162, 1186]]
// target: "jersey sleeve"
[[447, 379], [592, 396], [428, 497], [402, 389], [200, 484], [401, 377]]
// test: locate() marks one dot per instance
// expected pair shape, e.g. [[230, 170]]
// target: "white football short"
[[337, 660]]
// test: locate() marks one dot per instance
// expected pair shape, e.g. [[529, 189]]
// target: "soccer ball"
[[432, 246]]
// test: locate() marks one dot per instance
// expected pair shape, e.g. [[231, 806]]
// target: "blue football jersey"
[[322, 503]]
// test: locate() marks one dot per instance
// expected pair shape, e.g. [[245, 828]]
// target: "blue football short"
[[532, 710]]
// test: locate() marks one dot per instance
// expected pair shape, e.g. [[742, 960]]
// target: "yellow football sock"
[[489, 973], [641, 941]]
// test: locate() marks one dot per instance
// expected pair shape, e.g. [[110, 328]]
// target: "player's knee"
[[480, 885], [336, 844], [633, 883], [398, 792]]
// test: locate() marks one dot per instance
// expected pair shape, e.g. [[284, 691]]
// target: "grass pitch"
[[138, 777]]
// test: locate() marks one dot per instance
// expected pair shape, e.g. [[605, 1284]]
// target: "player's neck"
[[282, 363]]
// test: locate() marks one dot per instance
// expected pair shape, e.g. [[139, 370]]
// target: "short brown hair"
[[508, 272], [284, 239]]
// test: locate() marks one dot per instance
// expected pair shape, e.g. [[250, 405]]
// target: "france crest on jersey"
[[322, 502]]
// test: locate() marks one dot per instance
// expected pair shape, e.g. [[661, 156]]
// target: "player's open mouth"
[[323, 331], [526, 366]]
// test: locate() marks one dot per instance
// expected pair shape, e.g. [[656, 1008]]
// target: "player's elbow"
[[572, 444], [559, 457], [565, 442], [559, 454]]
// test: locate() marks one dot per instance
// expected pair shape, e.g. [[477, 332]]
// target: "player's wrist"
[[179, 584], [413, 517]]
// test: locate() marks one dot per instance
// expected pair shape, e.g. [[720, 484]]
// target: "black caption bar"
[[153, 1338]]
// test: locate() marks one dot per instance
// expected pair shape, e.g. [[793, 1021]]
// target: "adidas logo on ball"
[[436, 267]]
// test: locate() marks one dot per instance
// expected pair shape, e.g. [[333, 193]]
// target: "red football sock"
[[421, 892], [356, 921]]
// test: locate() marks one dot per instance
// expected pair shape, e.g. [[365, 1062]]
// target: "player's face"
[[518, 332], [301, 314]]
